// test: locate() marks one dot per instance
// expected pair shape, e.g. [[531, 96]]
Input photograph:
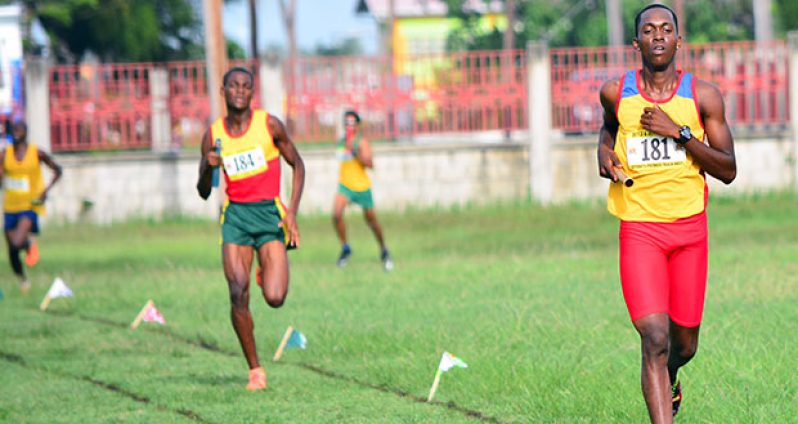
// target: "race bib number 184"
[[653, 151], [246, 163]]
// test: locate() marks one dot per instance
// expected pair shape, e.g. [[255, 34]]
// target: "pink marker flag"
[[148, 313]]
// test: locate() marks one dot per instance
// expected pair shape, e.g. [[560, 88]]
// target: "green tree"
[[565, 23], [118, 30], [349, 46], [785, 16]]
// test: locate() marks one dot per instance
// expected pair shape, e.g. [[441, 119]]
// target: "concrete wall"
[[110, 188]]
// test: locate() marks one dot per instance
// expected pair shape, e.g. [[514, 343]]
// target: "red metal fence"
[[751, 76], [100, 107], [455, 92], [109, 106]]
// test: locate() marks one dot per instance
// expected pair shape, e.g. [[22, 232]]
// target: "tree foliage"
[[119, 30], [347, 47], [584, 23]]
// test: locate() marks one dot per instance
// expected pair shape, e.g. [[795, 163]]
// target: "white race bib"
[[246, 163], [18, 184], [653, 151]]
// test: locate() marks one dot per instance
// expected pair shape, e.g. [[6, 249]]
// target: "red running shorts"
[[664, 268]]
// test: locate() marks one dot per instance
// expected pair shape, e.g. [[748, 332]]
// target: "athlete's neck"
[[238, 120], [659, 84]]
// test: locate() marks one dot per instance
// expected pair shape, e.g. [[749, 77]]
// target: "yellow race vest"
[[22, 181], [669, 185], [251, 161], [352, 173]]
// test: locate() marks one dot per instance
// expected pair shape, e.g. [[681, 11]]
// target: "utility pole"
[[509, 33], [390, 38], [253, 29], [288, 13], [763, 22], [678, 9], [614, 23], [215, 65], [215, 55]]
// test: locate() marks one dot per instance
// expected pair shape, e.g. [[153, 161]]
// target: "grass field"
[[528, 297]]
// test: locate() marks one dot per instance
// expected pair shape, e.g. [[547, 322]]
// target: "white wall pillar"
[[272, 88], [792, 45], [160, 118], [541, 182], [37, 102]]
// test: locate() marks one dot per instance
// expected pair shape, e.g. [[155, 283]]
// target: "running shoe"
[[32, 258], [343, 259], [387, 262], [24, 287], [257, 379], [676, 391]]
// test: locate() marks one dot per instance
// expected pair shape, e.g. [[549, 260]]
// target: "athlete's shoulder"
[[708, 94], [609, 92]]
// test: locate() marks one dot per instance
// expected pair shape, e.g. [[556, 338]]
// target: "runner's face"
[[657, 38], [238, 91], [350, 122], [19, 132]]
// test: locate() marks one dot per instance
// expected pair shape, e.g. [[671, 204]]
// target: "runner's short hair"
[[353, 114], [639, 15], [243, 70]]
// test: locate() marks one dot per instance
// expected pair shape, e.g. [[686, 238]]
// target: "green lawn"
[[527, 296]]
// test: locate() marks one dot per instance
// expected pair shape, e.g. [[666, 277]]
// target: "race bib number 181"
[[653, 150]]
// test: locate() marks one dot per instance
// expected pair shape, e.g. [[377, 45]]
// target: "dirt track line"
[[20, 361], [202, 344]]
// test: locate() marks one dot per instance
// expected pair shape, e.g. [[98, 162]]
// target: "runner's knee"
[[274, 300], [239, 295], [687, 352], [655, 343]]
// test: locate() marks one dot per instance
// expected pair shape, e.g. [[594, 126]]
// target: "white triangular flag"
[[59, 289], [448, 361]]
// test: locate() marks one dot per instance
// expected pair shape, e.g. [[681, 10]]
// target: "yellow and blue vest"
[[669, 185], [22, 181]]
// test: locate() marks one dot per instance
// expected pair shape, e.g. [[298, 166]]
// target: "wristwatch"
[[685, 135]]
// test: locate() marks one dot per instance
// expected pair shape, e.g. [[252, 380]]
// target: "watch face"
[[685, 133]]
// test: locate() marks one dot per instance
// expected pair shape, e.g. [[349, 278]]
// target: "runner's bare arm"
[[717, 158], [57, 172], [205, 167], [607, 159], [289, 152], [364, 154]]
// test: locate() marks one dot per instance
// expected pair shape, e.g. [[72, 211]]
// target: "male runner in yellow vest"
[[354, 186], [665, 129], [251, 142], [24, 195]]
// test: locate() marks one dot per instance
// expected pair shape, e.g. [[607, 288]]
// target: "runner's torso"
[[669, 185], [251, 161]]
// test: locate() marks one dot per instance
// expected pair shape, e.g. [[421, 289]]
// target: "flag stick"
[[135, 324], [280, 348], [434, 387], [45, 302]]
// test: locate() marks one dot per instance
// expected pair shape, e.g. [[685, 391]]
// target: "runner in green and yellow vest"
[[354, 186], [24, 194]]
